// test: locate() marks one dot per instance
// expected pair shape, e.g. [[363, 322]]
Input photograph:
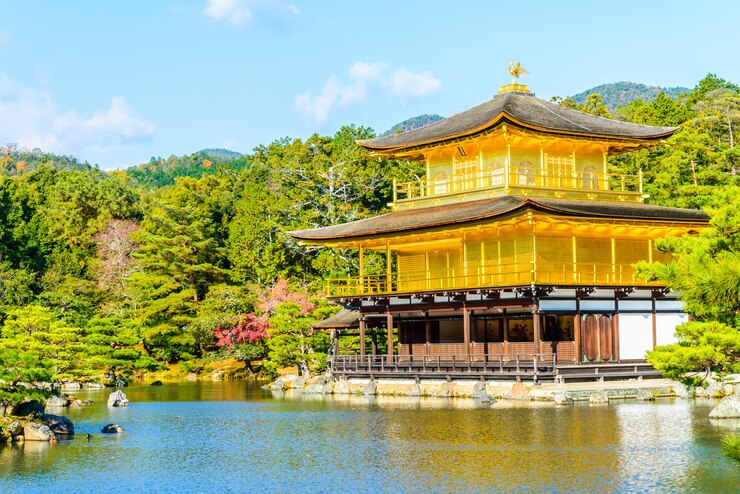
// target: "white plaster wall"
[[635, 335], [557, 304], [635, 305], [665, 327], [597, 305], [669, 305]]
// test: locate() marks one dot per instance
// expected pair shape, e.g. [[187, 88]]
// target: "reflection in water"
[[233, 437]]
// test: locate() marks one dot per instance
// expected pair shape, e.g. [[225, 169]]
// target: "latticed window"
[[441, 183], [526, 174], [590, 178], [465, 173]]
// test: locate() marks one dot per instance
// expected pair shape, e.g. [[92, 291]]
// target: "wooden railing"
[[506, 177], [529, 364], [487, 276]]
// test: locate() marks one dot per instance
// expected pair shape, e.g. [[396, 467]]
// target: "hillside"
[[617, 94], [412, 123]]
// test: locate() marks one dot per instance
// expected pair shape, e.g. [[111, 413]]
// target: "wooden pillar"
[[537, 328], [362, 339], [505, 324], [577, 338], [615, 339], [466, 330], [427, 333], [655, 327], [389, 328], [374, 341]]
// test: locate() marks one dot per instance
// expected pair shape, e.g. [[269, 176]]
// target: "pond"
[[234, 437]]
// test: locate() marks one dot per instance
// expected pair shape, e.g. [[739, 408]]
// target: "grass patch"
[[731, 445]]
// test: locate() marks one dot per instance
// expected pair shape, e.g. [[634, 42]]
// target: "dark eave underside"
[[345, 318], [523, 110], [486, 209]]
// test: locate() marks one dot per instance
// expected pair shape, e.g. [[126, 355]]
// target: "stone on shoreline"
[[38, 432], [298, 384], [645, 395], [156, 383], [562, 399], [15, 428], [57, 402], [59, 424], [728, 408], [28, 407], [518, 391], [342, 387], [278, 385], [370, 388], [117, 399], [598, 398]]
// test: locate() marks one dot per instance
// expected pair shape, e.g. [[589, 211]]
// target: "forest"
[[175, 265]]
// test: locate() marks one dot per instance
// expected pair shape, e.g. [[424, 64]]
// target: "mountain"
[[219, 154], [412, 123], [621, 93]]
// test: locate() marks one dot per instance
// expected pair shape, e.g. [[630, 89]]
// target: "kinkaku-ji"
[[513, 257]]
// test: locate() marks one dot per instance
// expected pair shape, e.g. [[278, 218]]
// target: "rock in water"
[[57, 402], [113, 429], [278, 385], [117, 399], [479, 390], [37, 432], [341, 387], [298, 384], [58, 424], [156, 383], [728, 408], [563, 399], [598, 398]]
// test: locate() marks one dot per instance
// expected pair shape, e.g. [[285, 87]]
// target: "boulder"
[[415, 390], [156, 383], [15, 428], [298, 384], [445, 390], [57, 402], [728, 408], [278, 385], [598, 398], [80, 403], [479, 390], [58, 424], [28, 407], [38, 432], [117, 399], [680, 390], [94, 386], [121, 382], [645, 395], [314, 389], [113, 429], [370, 389], [71, 386], [562, 399], [328, 388], [342, 387], [321, 380], [518, 391]]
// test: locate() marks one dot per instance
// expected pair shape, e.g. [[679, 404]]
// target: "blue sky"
[[116, 83]]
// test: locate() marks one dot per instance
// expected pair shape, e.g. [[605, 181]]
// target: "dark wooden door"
[[605, 338], [590, 338]]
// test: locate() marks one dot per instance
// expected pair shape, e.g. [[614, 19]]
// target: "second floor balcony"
[[523, 180]]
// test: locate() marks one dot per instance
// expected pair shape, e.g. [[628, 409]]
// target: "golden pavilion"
[[513, 256]]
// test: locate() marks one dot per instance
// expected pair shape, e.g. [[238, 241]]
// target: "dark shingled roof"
[[345, 318], [519, 109], [467, 212]]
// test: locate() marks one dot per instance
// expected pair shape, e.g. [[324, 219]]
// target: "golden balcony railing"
[[509, 177], [487, 276]]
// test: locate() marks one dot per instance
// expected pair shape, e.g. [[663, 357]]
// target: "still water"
[[234, 437]]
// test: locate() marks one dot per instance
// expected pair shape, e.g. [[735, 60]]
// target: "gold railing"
[[506, 177], [490, 276]]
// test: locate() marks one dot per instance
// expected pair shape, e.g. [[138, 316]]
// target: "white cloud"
[[241, 12], [407, 83], [366, 78], [32, 120]]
